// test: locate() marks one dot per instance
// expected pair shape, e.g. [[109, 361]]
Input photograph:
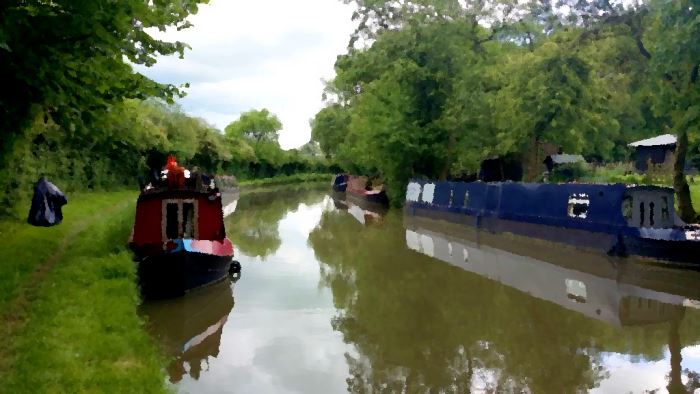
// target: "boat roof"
[[665, 139], [170, 193], [650, 188]]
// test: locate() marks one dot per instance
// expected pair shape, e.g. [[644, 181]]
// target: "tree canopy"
[[431, 88], [70, 60]]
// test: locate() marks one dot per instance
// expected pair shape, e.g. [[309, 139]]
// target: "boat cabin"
[[178, 214], [564, 205], [649, 206]]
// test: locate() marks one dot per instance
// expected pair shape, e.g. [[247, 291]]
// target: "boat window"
[[664, 208], [413, 191], [641, 214], [627, 207], [428, 193], [466, 199], [651, 214], [578, 205], [188, 220], [172, 225]]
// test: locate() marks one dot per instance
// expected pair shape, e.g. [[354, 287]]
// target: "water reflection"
[[190, 327], [363, 211], [331, 303], [253, 227], [522, 318]]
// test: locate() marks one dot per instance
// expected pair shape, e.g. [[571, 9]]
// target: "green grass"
[[80, 331], [695, 195], [287, 179]]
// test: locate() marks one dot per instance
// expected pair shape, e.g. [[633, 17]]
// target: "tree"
[[329, 128], [674, 50], [396, 94], [69, 60], [67, 63], [552, 95], [255, 125]]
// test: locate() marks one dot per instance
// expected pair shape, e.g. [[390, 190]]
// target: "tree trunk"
[[680, 185], [445, 172], [675, 384]]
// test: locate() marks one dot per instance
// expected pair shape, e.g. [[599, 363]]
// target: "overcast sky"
[[259, 54]]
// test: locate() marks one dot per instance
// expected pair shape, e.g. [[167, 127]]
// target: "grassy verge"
[[287, 179], [79, 330], [695, 195]]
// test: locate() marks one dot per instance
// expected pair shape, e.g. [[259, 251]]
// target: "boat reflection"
[[618, 292], [190, 328], [365, 212]]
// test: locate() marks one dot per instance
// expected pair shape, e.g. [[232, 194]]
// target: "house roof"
[[566, 158], [666, 139]]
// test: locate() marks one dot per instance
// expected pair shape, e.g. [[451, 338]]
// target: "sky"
[[258, 54]]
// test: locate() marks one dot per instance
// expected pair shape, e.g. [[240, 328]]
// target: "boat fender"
[[235, 267]]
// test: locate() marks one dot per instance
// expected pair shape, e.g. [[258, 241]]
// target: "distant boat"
[[179, 239], [359, 188], [617, 219]]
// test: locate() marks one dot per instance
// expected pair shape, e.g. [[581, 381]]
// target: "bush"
[[569, 172]]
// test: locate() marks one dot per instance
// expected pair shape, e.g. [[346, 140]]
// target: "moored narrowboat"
[[360, 188], [617, 219], [179, 239], [340, 183]]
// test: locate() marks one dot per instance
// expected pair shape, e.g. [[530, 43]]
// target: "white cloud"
[[255, 54]]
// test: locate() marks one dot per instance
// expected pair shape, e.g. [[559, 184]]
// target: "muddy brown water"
[[334, 297]]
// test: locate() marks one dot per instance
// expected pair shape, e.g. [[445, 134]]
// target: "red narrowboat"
[[179, 239]]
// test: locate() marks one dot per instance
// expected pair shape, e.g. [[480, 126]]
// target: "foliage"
[[569, 172], [674, 51], [287, 179], [70, 61], [255, 125], [433, 87], [254, 141], [115, 155], [254, 226], [329, 128]]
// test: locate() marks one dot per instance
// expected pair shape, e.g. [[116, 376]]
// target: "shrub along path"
[[69, 303]]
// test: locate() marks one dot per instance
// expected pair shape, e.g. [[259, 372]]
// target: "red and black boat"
[[179, 239]]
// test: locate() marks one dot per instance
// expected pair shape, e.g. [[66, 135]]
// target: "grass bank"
[[288, 179], [69, 301]]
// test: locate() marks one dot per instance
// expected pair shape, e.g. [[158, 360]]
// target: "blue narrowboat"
[[617, 219]]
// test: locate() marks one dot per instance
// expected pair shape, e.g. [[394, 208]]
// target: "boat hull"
[[173, 274], [679, 253], [615, 219]]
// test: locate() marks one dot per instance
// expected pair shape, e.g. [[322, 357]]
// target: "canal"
[[334, 297]]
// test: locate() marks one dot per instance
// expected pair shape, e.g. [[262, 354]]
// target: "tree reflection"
[[253, 227], [420, 325]]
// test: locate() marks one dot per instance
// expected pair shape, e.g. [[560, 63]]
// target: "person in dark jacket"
[[46, 204]]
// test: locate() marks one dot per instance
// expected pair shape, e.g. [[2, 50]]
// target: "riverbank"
[[69, 300], [288, 179]]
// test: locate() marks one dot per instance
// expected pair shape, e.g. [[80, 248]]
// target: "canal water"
[[336, 297]]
